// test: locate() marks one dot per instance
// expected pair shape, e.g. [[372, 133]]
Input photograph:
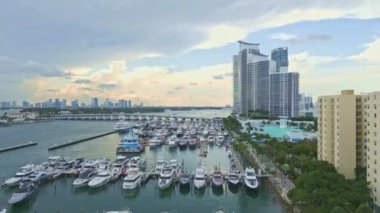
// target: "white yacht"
[[24, 172], [211, 139], [154, 142], [118, 166], [100, 179], [103, 165], [200, 177], [250, 179], [166, 177], [159, 165], [23, 192], [84, 178], [121, 126], [136, 163], [133, 179], [176, 165], [233, 178], [172, 141]]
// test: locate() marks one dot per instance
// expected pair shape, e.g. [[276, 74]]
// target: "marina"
[[111, 196]]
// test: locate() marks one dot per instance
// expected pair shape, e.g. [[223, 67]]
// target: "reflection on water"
[[234, 189], [218, 191], [185, 189]]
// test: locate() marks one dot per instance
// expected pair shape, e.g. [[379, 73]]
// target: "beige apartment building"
[[340, 136], [372, 132], [348, 134]]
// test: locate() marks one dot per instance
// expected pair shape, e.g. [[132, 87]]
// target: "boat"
[[24, 172], [172, 142], [159, 165], [154, 142], [118, 166], [39, 177], [184, 178], [183, 142], [233, 178], [211, 139], [136, 163], [250, 179], [84, 178], [166, 177], [179, 132], [200, 177], [100, 179], [103, 165], [123, 211], [3, 211], [192, 142], [26, 189], [133, 179], [121, 126], [130, 143], [217, 178]]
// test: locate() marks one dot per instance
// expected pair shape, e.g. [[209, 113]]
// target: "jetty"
[[30, 143], [80, 140]]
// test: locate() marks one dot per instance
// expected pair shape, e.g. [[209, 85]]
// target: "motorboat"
[[233, 178], [118, 166], [217, 178], [159, 165], [200, 177], [121, 126], [133, 179], [154, 142], [103, 165], [26, 189], [24, 172], [184, 178], [136, 163], [39, 177], [250, 179], [123, 211], [183, 142], [166, 177], [179, 132], [176, 165], [100, 179], [84, 178], [172, 142], [130, 143], [211, 139]]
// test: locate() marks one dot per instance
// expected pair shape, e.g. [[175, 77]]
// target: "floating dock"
[[79, 141], [18, 146]]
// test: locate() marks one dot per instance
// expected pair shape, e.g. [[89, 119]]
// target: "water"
[[278, 132], [59, 196]]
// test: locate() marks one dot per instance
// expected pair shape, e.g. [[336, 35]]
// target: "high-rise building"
[[25, 104], [129, 103], [372, 137], [14, 104], [284, 94], [340, 134], [94, 103], [235, 74], [280, 56], [306, 107], [261, 84], [252, 78], [74, 104], [63, 104]]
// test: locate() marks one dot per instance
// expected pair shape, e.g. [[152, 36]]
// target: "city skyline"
[[183, 59]]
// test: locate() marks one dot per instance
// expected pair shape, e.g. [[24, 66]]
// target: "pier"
[[79, 141], [30, 143]]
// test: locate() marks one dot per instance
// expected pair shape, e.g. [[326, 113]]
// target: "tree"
[[363, 208]]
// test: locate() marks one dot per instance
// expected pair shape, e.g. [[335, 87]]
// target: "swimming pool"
[[292, 134]]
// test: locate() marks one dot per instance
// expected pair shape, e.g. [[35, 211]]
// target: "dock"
[[30, 143], [79, 141]]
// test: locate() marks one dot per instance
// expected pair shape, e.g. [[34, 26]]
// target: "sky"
[[179, 53]]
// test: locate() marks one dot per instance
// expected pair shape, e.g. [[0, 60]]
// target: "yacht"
[[211, 139], [118, 166], [133, 179], [40, 177], [217, 178], [200, 177], [159, 165], [25, 190], [136, 163], [25, 171], [100, 179], [121, 126], [250, 179], [103, 165], [192, 142], [166, 177], [179, 132], [154, 142], [233, 178], [183, 142], [176, 165], [184, 178], [84, 178], [172, 142], [130, 144]]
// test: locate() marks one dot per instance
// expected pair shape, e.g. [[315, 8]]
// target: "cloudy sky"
[[172, 52]]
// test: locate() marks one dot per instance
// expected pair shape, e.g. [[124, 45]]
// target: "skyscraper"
[[74, 104], [261, 84], [94, 103], [252, 77]]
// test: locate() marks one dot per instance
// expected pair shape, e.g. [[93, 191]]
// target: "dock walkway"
[[79, 141], [30, 143]]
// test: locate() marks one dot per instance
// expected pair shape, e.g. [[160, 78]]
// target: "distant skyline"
[[180, 52]]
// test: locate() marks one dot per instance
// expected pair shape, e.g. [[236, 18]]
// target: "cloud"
[[89, 89], [285, 37], [229, 74], [371, 54], [295, 39], [52, 90], [178, 88], [82, 81], [107, 86], [318, 37], [218, 77], [193, 84]]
